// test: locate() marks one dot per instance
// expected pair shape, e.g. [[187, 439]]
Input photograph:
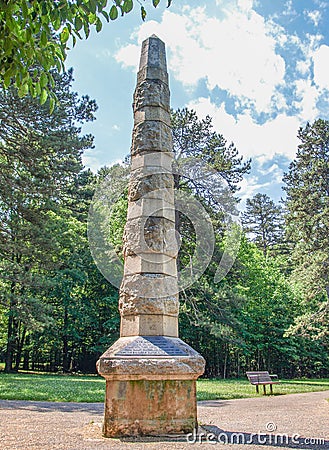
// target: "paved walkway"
[[290, 421]]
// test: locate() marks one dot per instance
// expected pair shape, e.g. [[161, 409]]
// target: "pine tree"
[[307, 204], [263, 220], [40, 157], [196, 138]]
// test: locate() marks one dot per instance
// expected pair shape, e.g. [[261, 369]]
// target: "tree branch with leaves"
[[34, 38]]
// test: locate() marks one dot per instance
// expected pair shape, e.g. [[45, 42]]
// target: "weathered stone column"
[[150, 373]]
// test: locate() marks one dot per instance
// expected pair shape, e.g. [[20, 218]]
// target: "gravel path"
[[289, 421]]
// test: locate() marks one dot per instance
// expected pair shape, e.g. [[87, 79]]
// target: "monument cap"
[[153, 54]]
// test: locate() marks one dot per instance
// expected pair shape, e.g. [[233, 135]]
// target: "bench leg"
[[271, 388], [257, 389], [264, 388]]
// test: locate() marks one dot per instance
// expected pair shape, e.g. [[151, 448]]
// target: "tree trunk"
[[10, 345], [21, 342], [65, 339], [11, 333], [225, 362], [26, 356]]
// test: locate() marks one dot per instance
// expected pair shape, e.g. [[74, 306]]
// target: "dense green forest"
[[58, 313]]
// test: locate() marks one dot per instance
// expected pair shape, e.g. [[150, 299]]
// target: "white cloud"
[[116, 161], [288, 9], [274, 173], [321, 66], [280, 101], [321, 4], [314, 16], [303, 67], [273, 168], [91, 162], [248, 187], [276, 136], [128, 55], [235, 52], [306, 98], [104, 53], [245, 5]]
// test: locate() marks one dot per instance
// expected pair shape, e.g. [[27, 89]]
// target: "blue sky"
[[260, 69]]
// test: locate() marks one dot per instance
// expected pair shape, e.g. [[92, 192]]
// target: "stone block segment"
[[151, 136], [156, 408], [139, 286], [150, 161], [149, 325], [150, 263]]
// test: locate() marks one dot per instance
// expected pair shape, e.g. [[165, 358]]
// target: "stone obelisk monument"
[[150, 373]]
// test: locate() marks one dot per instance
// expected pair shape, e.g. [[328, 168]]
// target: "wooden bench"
[[262, 378]]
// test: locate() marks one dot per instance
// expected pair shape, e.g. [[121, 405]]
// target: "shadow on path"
[[46, 407]]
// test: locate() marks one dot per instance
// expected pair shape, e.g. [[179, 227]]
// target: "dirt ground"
[[290, 421]]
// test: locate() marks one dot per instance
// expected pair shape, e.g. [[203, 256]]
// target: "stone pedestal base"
[[149, 407], [150, 386]]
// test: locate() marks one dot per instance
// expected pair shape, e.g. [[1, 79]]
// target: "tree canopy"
[[307, 223], [58, 313], [34, 38], [307, 188], [40, 156]]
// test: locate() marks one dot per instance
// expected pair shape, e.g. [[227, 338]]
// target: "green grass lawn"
[[91, 388], [231, 389]]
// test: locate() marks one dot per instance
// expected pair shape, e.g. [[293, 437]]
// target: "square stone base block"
[[149, 407]]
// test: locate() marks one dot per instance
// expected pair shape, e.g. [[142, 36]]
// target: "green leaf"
[[25, 10], [155, 3], [8, 45], [43, 38], [58, 65], [44, 9], [51, 80], [101, 4], [65, 34], [33, 91], [43, 79], [37, 28], [10, 24], [51, 105], [104, 13], [7, 78], [43, 96], [127, 6], [92, 6], [143, 13], [23, 90], [57, 23], [113, 12], [78, 23], [86, 29], [92, 18], [37, 88], [98, 25]]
